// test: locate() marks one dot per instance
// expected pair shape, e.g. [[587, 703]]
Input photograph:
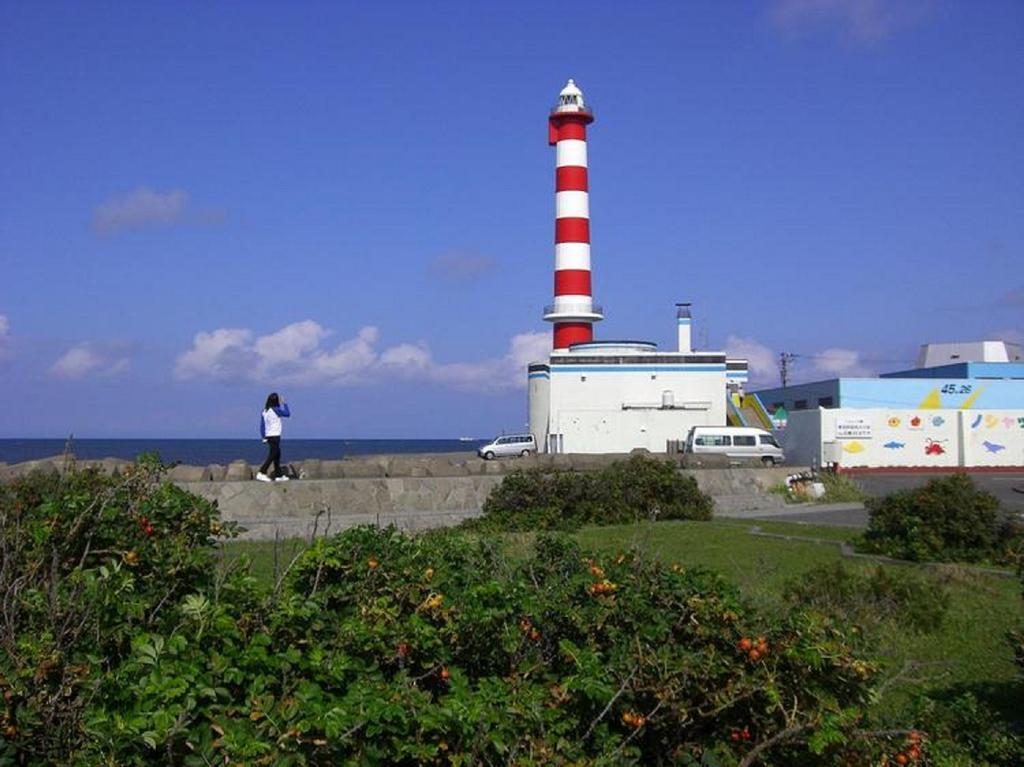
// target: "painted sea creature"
[[1008, 422], [854, 447], [894, 422], [976, 422], [991, 421], [895, 445], [915, 421], [938, 420], [992, 447], [934, 447]]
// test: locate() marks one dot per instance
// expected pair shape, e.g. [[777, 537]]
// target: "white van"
[[508, 445], [735, 442]]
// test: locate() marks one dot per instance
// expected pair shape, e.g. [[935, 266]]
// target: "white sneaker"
[[282, 478], [263, 477]]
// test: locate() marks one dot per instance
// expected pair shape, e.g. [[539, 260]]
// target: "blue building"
[[967, 385]]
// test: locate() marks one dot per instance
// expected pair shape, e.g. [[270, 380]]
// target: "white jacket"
[[270, 424]]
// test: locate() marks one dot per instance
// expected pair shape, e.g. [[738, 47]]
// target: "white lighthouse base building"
[[615, 396]]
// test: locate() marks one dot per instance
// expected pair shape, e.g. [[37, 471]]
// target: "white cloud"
[[863, 21], [298, 354], [828, 363], [224, 354], [763, 370], [458, 266], [839, 363], [147, 209], [90, 360]]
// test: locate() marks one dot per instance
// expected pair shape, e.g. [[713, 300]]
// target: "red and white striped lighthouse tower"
[[573, 311]]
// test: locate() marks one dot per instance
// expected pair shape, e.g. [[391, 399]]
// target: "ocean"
[[200, 452]]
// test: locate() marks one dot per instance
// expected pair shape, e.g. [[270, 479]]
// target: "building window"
[[825, 402], [800, 404]]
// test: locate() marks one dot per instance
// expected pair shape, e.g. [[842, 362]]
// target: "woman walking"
[[270, 429]]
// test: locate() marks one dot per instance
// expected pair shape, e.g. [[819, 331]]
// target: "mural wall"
[[912, 438]]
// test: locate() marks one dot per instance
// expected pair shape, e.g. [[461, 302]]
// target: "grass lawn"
[[968, 653]]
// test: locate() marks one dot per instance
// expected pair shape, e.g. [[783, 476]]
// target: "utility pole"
[[785, 359]]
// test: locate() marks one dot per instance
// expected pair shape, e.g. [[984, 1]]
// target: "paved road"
[[1008, 488]]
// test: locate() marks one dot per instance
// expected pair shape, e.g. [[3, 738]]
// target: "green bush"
[[389, 649], [87, 563], [962, 731], [840, 488], [870, 600], [947, 520], [1017, 637], [381, 648], [625, 491]]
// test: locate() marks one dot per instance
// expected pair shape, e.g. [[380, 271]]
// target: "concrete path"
[[836, 514]]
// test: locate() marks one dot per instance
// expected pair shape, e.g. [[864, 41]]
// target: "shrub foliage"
[[125, 642], [947, 520], [869, 600], [625, 491]]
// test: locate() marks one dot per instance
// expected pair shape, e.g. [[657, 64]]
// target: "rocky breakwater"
[[413, 492]]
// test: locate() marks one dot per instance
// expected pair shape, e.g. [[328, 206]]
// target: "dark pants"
[[273, 457]]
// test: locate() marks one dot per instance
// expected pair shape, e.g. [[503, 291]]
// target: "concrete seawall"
[[413, 492], [291, 509]]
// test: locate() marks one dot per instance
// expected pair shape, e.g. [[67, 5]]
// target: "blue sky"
[[352, 203]]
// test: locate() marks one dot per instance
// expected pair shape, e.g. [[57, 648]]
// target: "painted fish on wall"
[[992, 447], [895, 445]]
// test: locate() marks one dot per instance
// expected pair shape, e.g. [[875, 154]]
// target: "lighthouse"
[[611, 396], [573, 311]]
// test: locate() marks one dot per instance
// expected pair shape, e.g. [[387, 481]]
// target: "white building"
[[933, 355], [614, 396]]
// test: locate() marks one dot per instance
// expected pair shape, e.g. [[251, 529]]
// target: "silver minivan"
[[736, 442], [508, 445]]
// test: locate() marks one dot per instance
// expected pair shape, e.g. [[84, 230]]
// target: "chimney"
[[683, 322]]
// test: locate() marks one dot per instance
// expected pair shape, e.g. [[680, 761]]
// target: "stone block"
[[238, 470], [183, 473], [588, 462], [362, 470], [217, 472], [705, 461], [311, 468], [332, 469]]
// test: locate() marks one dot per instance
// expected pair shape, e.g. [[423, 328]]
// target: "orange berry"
[[745, 644], [372, 563], [754, 654], [445, 674], [901, 758], [534, 635]]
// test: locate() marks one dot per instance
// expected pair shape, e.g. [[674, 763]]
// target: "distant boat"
[[467, 439]]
